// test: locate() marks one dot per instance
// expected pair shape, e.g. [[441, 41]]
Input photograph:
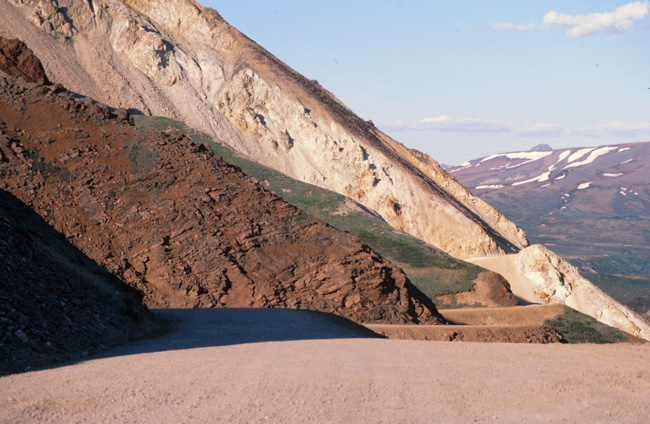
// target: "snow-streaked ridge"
[[592, 157]]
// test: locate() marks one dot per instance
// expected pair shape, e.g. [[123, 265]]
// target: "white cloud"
[[466, 125], [619, 21], [616, 22], [464, 27], [506, 26], [444, 123]]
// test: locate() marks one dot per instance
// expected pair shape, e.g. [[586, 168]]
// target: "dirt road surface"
[[293, 366]]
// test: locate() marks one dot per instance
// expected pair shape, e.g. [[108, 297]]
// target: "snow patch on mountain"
[[493, 186], [584, 185], [592, 157], [539, 179], [580, 153], [519, 155]]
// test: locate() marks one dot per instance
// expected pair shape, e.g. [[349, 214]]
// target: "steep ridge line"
[[442, 278]]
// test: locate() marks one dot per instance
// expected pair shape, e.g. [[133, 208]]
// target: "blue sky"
[[461, 80]]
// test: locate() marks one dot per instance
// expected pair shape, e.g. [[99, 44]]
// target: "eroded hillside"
[[178, 223], [447, 281]]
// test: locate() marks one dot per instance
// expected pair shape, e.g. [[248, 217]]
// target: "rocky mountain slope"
[[591, 204], [178, 223], [180, 60], [447, 281]]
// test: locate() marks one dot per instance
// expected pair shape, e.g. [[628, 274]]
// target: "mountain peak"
[[541, 148]]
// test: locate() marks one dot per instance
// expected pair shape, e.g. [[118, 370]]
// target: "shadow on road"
[[197, 328]]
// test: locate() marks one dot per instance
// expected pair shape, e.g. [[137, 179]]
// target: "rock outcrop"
[[180, 224], [17, 59], [538, 275], [489, 289]]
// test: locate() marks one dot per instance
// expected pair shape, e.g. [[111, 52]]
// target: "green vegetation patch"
[[51, 170], [577, 327], [160, 122], [429, 269], [142, 159]]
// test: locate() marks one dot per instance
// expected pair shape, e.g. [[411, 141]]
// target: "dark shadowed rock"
[[18, 60], [55, 303]]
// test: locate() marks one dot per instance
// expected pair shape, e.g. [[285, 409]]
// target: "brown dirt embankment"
[[517, 315]]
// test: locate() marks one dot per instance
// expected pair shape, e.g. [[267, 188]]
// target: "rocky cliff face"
[[180, 224], [178, 59]]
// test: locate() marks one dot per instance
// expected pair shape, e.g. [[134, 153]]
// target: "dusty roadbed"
[[229, 366]]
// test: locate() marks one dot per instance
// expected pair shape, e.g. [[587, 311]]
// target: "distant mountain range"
[[589, 204]]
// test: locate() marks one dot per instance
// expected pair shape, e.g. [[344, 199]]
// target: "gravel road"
[[291, 366]]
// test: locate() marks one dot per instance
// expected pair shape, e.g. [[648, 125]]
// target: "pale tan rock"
[[538, 275]]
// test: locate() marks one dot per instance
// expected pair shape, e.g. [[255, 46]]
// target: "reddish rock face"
[[180, 224], [18, 60]]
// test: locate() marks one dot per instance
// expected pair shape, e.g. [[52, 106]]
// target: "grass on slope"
[[432, 271], [577, 327]]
